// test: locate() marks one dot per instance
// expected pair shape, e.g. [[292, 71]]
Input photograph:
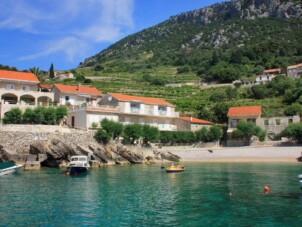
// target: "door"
[[72, 121]]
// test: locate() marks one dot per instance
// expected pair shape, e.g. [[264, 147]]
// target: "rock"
[[169, 156], [124, 152], [32, 165]]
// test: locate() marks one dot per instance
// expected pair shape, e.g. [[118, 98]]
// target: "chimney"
[[78, 87], [191, 119]]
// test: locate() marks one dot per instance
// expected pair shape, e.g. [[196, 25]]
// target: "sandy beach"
[[238, 154]]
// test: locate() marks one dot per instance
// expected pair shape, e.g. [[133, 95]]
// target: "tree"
[[132, 132], [149, 134], [61, 113], [215, 133], [13, 116], [220, 111], [37, 72], [114, 129], [294, 109], [49, 116], [245, 130], [102, 136], [293, 131], [51, 71]]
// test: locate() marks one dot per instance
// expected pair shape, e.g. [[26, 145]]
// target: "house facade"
[[191, 124], [243, 113], [76, 95], [264, 78], [21, 90], [142, 110], [126, 109], [294, 71], [272, 125], [84, 117]]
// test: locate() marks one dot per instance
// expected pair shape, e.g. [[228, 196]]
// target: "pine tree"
[[51, 72]]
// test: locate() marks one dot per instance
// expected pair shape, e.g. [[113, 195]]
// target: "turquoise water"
[[144, 195]]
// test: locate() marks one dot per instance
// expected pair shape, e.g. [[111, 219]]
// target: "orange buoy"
[[266, 189]]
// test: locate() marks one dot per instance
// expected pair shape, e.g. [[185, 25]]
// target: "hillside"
[[244, 36], [220, 43]]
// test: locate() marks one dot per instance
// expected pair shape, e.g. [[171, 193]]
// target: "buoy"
[[67, 173], [266, 189], [230, 194]]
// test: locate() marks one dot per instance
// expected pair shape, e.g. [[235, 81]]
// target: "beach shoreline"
[[269, 154]]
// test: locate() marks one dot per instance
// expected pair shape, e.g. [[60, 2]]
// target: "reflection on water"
[[148, 196]]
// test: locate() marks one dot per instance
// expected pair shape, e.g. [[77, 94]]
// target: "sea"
[[205, 194]]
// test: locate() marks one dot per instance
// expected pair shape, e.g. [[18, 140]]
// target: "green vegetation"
[[38, 115], [51, 72], [214, 133], [245, 130], [293, 131]]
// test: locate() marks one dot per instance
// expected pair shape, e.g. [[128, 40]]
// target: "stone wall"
[[19, 137]]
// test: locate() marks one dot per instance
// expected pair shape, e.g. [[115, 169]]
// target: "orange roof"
[[78, 89], [21, 76], [242, 111], [106, 110], [196, 120], [294, 66], [272, 70], [147, 100], [45, 86]]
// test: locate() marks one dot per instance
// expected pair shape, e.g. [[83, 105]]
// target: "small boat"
[[78, 164], [9, 168], [175, 169], [300, 182]]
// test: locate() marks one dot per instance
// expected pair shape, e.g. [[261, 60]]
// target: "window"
[[66, 98], [10, 87], [266, 122], [290, 121], [277, 121]]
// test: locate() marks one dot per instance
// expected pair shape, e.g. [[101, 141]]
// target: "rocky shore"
[[54, 148]]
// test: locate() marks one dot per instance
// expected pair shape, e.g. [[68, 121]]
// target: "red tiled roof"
[[147, 100], [196, 120], [78, 89], [242, 111], [45, 86], [21, 76]]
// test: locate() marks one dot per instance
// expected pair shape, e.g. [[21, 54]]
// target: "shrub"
[[149, 134], [293, 131], [14, 116], [102, 136]]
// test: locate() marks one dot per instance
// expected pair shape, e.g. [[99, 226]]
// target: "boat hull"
[[10, 170], [77, 170], [174, 171]]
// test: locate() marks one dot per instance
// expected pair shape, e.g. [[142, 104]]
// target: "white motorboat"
[[300, 182], [78, 164], [9, 168]]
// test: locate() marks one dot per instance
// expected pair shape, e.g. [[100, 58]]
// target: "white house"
[[21, 90], [74, 95]]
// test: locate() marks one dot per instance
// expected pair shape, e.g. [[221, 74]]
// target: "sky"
[[38, 33]]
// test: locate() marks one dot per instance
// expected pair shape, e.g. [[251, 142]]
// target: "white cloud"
[[74, 24], [69, 46]]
